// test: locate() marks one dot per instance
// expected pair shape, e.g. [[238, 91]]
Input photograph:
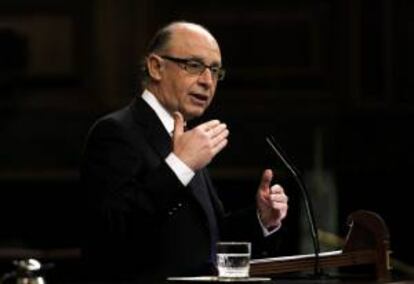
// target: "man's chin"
[[194, 113]]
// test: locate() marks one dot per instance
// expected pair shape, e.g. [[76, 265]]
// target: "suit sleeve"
[[122, 172], [129, 188]]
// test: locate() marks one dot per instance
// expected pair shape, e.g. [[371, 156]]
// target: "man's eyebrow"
[[199, 59]]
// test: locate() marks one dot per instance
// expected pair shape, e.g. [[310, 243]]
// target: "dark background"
[[331, 80]]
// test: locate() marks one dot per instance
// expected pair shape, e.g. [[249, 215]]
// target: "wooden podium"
[[367, 242]]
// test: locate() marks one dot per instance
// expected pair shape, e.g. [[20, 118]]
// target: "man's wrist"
[[181, 170], [267, 230]]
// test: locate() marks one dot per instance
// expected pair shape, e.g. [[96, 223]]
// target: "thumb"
[[267, 177], [178, 124]]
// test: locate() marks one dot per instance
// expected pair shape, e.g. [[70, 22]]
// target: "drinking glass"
[[233, 259]]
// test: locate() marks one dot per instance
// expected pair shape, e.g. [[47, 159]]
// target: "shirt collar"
[[166, 118]]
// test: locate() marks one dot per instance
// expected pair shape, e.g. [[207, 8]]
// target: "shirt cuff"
[[181, 170], [265, 231]]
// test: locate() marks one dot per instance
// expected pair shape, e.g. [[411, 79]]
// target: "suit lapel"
[[145, 116]]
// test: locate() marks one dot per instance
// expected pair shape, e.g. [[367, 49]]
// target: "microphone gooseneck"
[[308, 204]]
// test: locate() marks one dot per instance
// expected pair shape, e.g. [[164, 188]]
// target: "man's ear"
[[155, 67]]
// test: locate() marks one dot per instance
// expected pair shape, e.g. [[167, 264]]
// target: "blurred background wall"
[[331, 80]]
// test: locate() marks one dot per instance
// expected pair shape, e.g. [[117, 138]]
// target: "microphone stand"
[[308, 204]]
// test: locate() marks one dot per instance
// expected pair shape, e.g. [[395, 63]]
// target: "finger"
[[279, 198], [280, 207], [209, 124], [276, 189], [266, 179], [278, 203], [275, 197], [217, 140], [280, 210], [217, 130], [220, 146], [178, 124]]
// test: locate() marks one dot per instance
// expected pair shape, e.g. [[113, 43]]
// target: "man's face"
[[179, 90]]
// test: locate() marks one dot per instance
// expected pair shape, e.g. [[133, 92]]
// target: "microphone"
[[308, 204]]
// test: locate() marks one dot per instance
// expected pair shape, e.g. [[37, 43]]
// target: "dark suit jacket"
[[140, 220]]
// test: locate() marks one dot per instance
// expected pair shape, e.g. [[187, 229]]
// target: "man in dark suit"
[[151, 208]]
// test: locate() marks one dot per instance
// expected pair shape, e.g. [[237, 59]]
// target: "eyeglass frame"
[[184, 63]]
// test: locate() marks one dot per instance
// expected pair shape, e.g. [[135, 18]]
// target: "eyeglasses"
[[196, 67]]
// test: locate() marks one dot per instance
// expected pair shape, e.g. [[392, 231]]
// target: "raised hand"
[[272, 202], [198, 146]]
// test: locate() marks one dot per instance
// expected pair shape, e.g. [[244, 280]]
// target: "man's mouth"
[[199, 98]]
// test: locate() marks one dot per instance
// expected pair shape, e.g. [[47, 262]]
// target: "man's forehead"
[[193, 39], [190, 28]]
